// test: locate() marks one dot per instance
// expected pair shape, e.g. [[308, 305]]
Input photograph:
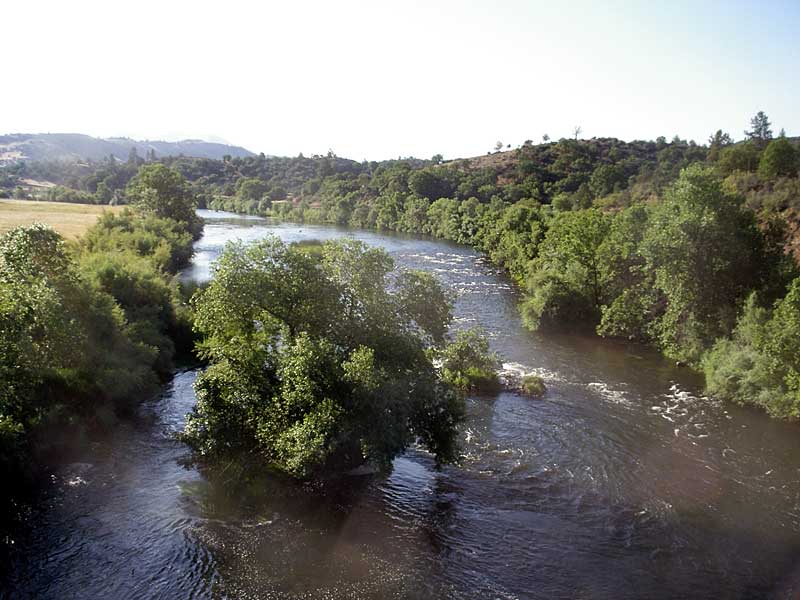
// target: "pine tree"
[[760, 131]]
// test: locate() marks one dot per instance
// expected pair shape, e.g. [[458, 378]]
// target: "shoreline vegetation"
[[689, 249], [90, 328], [337, 364], [679, 246]]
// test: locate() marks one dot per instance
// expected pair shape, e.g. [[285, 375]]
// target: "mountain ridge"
[[76, 146]]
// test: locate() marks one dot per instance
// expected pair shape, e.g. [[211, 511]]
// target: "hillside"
[[75, 146]]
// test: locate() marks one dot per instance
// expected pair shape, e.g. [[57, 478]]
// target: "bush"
[[469, 365], [533, 385], [760, 364]]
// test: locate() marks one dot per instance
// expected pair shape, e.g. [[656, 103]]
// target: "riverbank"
[[90, 329]]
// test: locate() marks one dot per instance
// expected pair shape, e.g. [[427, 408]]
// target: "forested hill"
[[75, 146]]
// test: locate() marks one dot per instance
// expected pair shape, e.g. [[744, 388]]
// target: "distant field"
[[70, 220]]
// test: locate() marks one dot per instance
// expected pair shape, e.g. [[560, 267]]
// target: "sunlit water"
[[623, 482]]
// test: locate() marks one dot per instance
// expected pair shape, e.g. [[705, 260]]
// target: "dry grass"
[[70, 220]]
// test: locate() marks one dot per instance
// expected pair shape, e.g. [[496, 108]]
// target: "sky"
[[376, 80]]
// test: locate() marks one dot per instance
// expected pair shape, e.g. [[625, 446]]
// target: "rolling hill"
[[75, 146]]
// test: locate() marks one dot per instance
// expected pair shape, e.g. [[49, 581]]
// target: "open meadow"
[[70, 220]]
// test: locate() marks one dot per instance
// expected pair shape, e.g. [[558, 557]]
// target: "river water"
[[624, 481]]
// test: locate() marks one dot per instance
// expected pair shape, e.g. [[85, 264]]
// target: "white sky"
[[379, 80]]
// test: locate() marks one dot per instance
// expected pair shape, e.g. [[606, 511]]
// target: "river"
[[624, 481]]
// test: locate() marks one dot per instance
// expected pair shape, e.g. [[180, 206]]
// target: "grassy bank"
[[70, 220]]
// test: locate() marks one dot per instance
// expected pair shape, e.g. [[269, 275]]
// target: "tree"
[[498, 146], [64, 349], [744, 156], [760, 364], [133, 157], [605, 179], [317, 363], [716, 142], [251, 188], [720, 138], [576, 131], [565, 282], [430, 183], [760, 131], [706, 254], [162, 191], [779, 160]]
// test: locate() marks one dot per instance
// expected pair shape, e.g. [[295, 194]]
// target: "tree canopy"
[[321, 361], [162, 191]]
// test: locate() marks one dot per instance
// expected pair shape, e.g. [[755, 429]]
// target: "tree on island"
[[321, 360]]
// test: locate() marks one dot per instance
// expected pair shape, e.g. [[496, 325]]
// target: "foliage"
[[162, 191], [86, 330], [696, 221], [65, 349], [654, 249], [469, 365], [760, 131], [744, 156], [565, 284], [759, 364], [317, 362], [779, 160], [163, 241], [533, 385]]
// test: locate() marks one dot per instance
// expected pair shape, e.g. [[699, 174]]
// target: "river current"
[[624, 481]]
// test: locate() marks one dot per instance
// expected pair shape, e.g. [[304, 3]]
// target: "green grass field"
[[70, 220]]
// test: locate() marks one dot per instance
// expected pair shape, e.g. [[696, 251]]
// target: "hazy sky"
[[379, 80]]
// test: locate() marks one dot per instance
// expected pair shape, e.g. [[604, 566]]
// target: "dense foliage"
[[660, 242], [321, 360], [88, 329], [469, 365]]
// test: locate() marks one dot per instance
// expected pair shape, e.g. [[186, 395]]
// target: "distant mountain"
[[75, 146]]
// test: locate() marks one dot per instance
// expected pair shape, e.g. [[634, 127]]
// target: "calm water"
[[623, 482]]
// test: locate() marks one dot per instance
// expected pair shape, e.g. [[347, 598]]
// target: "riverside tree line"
[[318, 358], [342, 359]]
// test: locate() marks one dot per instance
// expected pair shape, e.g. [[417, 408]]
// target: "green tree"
[[760, 364], [250, 188], [760, 131], [779, 160], [163, 192], [565, 284], [605, 179], [428, 183], [65, 356], [715, 144], [705, 252], [739, 157], [317, 363]]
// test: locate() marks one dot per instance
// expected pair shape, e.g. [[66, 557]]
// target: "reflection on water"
[[623, 482]]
